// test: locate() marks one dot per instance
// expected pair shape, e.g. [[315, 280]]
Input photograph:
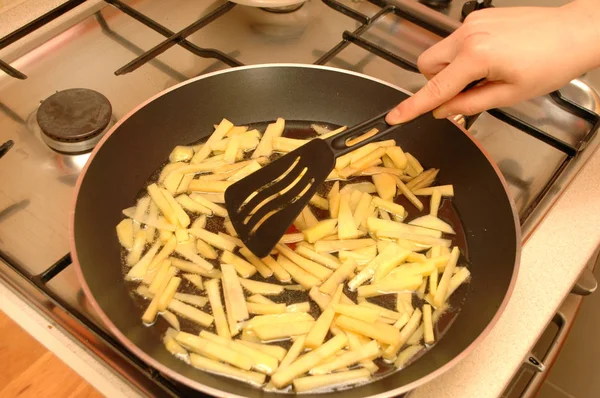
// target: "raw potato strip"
[[216, 136], [319, 202], [262, 362], [136, 249], [163, 205], [187, 266], [213, 239], [260, 299], [271, 350], [283, 377], [298, 274], [191, 313], [404, 303], [265, 309], [208, 186], [138, 271], [386, 185], [379, 331], [428, 325], [232, 148], [389, 206], [432, 222], [280, 273], [244, 268], [392, 254], [233, 292], [385, 228], [284, 144], [368, 351], [436, 199], [346, 225], [323, 259], [221, 369], [191, 205], [298, 307], [245, 171], [204, 201], [236, 241], [406, 355], [338, 277], [324, 136], [337, 245], [256, 287], [366, 314], [165, 252], [292, 238], [334, 200], [265, 147], [362, 209], [317, 334], [309, 266], [260, 266], [412, 325], [442, 290], [408, 193], [125, 233], [140, 210], [167, 294], [309, 217], [164, 274], [192, 299], [290, 317], [337, 380], [171, 345], [205, 249], [423, 180], [355, 343], [292, 353], [206, 347], [387, 286], [282, 330], [445, 190], [457, 279], [320, 230]]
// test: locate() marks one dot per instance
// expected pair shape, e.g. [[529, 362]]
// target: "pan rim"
[[216, 392]]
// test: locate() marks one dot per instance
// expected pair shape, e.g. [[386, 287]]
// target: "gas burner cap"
[[74, 120]]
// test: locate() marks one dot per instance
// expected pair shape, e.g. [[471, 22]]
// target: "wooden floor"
[[28, 369]]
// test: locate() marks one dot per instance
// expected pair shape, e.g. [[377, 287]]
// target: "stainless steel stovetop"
[[113, 47]]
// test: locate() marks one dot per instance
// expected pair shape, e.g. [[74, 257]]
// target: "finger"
[[441, 88], [478, 99], [438, 56]]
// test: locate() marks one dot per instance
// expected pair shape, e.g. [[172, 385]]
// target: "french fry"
[[298, 274], [354, 199], [282, 330], [280, 273], [298, 307], [337, 380], [265, 309], [216, 136], [397, 156], [244, 268], [338, 277], [232, 291], [260, 299], [256, 287], [416, 337], [191, 205], [457, 279], [414, 164], [388, 206], [206, 250], [285, 145], [388, 286], [422, 180], [245, 171], [436, 199], [192, 299], [283, 377], [292, 353], [288, 317], [434, 223], [320, 230], [367, 352], [390, 352], [386, 334], [200, 222], [309, 217], [385, 185], [382, 311], [214, 296], [317, 334], [181, 154], [319, 202], [262, 362], [265, 147], [292, 238], [392, 254], [385, 228], [308, 265], [236, 241], [125, 233], [206, 347], [182, 218], [366, 314], [233, 144], [194, 258], [362, 209], [206, 202], [406, 355], [162, 277], [419, 242], [138, 271], [187, 266], [321, 258], [271, 350], [442, 290], [337, 245], [213, 239], [209, 365], [408, 193], [171, 320], [191, 313], [361, 256], [136, 249], [165, 252], [399, 324], [444, 190], [326, 135], [334, 200], [428, 325], [208, 186], [346, 226]]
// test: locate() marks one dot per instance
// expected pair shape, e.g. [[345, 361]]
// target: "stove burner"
[[74, 120], [474, 5], [285, 9]]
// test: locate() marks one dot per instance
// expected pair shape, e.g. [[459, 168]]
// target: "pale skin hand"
[[521, 53]]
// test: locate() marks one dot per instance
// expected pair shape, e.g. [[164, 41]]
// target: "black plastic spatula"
[[264, 204]]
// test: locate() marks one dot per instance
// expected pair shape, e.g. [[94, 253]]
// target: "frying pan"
[[135, 148]]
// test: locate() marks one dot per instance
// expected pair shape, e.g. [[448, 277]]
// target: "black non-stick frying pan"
[[136, 147]]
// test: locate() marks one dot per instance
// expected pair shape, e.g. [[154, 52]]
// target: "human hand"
[[521, 52]]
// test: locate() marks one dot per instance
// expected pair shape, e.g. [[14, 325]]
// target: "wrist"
[[581, 18]]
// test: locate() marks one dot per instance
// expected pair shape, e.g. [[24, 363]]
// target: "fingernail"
[[394, 117], [440, 113]]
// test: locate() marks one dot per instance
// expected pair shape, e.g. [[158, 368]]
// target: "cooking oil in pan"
[[302, 130]]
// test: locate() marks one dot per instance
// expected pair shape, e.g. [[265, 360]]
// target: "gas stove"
[[112, 55]]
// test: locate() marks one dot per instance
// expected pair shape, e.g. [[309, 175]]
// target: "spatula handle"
[[339, 142]]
